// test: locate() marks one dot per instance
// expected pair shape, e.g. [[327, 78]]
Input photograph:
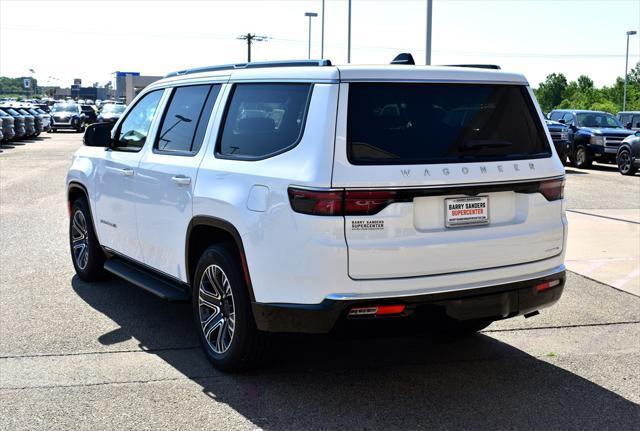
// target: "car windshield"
[[113, 109], [12, 111], [3, 114], [598, 119], [33, 111], [65, 107]]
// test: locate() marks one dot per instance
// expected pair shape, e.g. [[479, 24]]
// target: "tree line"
[[556, 92]]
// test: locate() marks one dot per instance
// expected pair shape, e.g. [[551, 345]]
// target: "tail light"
[[367, 202], [316, 202], [552, 190], [339, 202]]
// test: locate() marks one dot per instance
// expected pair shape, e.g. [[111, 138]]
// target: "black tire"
[[459, 328], [581, 158], [228, 335], [86, 254], [54, 130], [624, 162]]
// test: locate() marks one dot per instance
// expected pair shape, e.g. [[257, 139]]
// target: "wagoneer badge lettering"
[[465, 170]]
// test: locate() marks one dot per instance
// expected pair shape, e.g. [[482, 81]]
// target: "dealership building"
[[129, 84]]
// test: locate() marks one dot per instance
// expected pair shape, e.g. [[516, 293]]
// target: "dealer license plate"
[[466, 211]]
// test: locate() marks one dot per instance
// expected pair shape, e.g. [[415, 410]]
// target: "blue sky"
[[91, 39]]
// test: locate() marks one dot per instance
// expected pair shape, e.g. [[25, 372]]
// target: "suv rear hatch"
[[440, 178]]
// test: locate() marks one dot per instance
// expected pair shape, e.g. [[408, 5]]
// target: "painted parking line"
[[604, 245]]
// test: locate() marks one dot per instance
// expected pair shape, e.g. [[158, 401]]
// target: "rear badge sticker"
[[367, 224]]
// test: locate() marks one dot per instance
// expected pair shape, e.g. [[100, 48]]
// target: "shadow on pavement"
[[370, 382]]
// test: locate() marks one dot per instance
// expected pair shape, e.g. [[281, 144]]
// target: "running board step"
[[156, 284]]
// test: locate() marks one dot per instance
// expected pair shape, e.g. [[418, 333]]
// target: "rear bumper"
[[496, 302]]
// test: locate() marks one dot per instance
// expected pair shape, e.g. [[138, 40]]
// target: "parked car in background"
[[8, 130], [44, 106], [90, 113], [29, 122], [562, 135], [67, 115], [45, 119], [37, 121], [18, 122], [628, 157], [596, 135], [630, 119], [111, 112]]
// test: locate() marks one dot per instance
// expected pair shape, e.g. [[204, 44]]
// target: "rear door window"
[[263, 120], [442, 123], [186, 118]]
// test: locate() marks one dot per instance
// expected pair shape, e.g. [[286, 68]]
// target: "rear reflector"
[[380, 310], [547, 285]]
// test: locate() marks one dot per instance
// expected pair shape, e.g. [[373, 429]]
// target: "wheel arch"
[[204, 231], [624, 146], [77, 190]]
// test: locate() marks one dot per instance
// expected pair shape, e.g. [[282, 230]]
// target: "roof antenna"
[[404, 58]]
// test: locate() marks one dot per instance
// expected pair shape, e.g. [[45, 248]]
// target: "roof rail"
[[478, 66], [251, 65]]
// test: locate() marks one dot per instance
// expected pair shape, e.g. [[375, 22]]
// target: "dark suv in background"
[[562, 135], [596, 135], [18, 122], [8, 131], [630, 119]]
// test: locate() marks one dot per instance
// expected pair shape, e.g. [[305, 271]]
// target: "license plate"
[[466, 211]]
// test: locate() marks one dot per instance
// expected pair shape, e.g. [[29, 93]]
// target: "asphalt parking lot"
[[101, 356]]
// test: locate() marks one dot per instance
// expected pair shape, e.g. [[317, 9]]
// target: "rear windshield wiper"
[[478, 144]]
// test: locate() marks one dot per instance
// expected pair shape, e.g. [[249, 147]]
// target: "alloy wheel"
[[216, 309], [624, 162], [80, 239]]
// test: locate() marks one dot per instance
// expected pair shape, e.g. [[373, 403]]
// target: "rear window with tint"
[[263, 120], [442, 123]]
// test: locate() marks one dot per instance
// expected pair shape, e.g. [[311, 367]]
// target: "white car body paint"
[[304, 259]]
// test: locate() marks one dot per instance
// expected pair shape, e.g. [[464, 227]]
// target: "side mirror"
[[98, 135], [562, 121], [629, 125]]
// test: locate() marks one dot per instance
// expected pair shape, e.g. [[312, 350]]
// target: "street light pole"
[[349, 35], [322, 33], [626, 68], [428, 41], [310, 15]]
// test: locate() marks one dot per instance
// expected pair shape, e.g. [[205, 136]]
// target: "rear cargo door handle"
[[126, 172], [181, 180]]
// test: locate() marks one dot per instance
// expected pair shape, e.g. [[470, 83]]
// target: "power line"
[[250, 38]]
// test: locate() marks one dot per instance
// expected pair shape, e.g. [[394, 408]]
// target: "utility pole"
[[349, 35], [626, 69], [428, 41], [310, 15], [322, 33], [250, 38]]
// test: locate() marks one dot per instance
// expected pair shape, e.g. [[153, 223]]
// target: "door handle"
[[126, 172], [181, 180]]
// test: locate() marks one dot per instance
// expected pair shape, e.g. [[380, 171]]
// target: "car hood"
[[64, 113], [110, 115], [610, 131]]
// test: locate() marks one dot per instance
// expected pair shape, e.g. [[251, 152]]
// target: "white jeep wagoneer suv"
[[300, 196]]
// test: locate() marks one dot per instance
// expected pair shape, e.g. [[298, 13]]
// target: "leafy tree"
[[550, 92], [556, 92]]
